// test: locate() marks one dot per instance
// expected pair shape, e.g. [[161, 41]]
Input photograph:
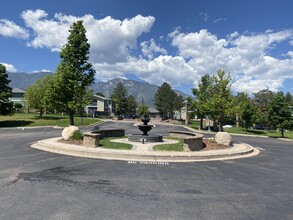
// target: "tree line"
[[266, 109], [67, 91]]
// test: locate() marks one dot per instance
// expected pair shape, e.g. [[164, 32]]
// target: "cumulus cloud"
[[10, 29], [246, 57], [9, 67], [111, 39], [116, 50], [149, 48], [43, 71]]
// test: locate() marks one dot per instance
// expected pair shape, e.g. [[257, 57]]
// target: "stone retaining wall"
[[91, 140], [110, 133], [193, 141]]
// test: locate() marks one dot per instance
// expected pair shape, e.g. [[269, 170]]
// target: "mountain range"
[[142, 91]]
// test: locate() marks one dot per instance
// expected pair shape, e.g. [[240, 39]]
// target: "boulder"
[[223, 138], [67, 132]]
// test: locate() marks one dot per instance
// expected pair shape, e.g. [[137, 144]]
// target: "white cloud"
[[111, 39], [9, 67], [220, 19], [246, 57], [205, 15], [115, 51], [43, 70], [10, 29], [149, 48], [156, 71]]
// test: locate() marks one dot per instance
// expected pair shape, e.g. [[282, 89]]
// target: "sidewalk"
[[144, 152]]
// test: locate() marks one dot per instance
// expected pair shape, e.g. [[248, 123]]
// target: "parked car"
[[228, 126]]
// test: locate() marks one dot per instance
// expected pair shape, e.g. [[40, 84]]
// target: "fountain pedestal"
[[145, 137]]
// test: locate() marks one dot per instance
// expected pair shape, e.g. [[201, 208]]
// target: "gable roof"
[[17, 90]]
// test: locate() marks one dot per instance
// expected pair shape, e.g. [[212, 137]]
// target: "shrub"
[[77, 135]]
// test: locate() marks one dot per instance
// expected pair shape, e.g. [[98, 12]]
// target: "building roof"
[[101, 97], [17, 90]]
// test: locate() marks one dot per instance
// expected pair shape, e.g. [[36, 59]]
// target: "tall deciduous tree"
[[6, 106], [279, 114], [202, 94], [35, 94], [240, 101], [143, 109], [262, 100], [68, 91], [220, 102], [248, 111], [119, 96]]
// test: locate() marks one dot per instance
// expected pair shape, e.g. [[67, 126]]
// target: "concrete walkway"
[[144, 152]]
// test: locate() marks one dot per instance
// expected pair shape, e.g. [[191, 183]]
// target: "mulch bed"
[[208, 145]]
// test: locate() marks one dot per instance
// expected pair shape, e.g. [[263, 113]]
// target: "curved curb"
[[235, 152]]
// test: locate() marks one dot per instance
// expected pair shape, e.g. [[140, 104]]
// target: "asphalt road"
[[41, 185]]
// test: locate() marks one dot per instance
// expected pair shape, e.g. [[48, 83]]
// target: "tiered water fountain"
[[145, 137]]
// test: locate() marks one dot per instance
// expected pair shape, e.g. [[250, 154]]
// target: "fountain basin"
[[147, 138]]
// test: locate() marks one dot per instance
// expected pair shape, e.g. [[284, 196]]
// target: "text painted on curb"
[[148, 162]]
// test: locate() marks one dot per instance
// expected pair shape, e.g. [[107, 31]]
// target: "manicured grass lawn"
[[273, 134], [170, 147], [194, 124], [32, 120], [106, 143]]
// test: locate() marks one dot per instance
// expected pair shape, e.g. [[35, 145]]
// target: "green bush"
[[77, 135]]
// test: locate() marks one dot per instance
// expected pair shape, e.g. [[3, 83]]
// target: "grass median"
[[107, 143], [170, 147], [33, 120], [273, 134]]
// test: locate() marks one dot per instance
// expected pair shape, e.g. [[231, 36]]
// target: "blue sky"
[[158, 40]]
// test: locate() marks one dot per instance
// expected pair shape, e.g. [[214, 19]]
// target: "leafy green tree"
[[131, 105], [35, 94], [289, 98], [179, 104], [248, 114], [143, 109], [119, 96], [240, 101], [165, 100], [279, 114], [202, 94], [69, 91], [17, 106], [262, 100], [6, 106], [220, 102]]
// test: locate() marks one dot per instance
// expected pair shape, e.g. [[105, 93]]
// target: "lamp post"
[[209, 127], [186, 115]]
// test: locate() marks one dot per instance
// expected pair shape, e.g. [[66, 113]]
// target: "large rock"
[[224, 138], [67, 132]]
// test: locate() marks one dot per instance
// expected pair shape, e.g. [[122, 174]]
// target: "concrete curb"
[[235, 152]]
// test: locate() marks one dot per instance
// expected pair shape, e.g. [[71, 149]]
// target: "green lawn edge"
[[107, 143], [241, 130], [33, 120], [170, 147]]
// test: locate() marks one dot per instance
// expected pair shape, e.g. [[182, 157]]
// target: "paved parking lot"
[[41, 185]]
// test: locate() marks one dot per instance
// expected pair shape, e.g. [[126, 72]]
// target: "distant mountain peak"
[[140, 90]]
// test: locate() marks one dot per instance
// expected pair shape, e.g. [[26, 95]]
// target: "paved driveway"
[[42, 185]]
